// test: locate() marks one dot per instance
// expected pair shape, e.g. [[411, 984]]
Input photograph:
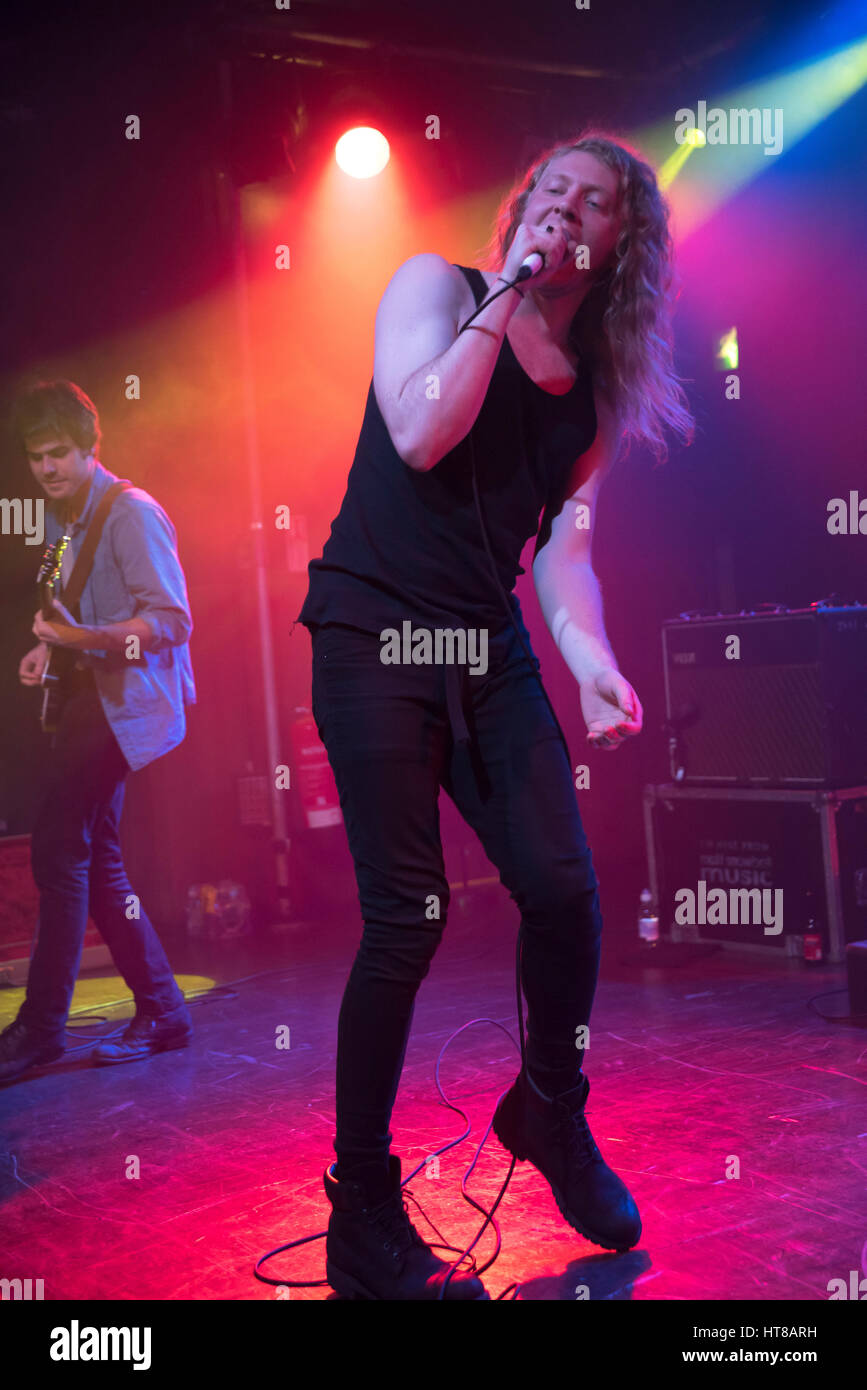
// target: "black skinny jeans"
[[78, 867], [391, 733]]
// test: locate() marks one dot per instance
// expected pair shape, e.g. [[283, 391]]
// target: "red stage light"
[[362, 152]]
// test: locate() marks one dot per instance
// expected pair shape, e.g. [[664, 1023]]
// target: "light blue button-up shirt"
[[136, 574]]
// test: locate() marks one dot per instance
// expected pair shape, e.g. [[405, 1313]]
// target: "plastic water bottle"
[[648, 919]]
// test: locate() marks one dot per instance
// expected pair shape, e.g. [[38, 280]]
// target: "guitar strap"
[[84, 559]]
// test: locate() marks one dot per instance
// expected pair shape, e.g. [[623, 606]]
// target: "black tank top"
[[407, 544]]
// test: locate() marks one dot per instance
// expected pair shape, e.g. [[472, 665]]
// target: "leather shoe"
[[146, 1034], [22, 1048]]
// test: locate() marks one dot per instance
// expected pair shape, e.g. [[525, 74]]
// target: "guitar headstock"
[[48, 577]]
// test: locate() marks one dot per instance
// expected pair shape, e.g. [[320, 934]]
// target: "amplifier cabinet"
[[768, 700], [752, 866]]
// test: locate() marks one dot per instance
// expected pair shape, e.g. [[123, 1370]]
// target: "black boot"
[[146, 1034], [372, 1249], [553, 1134], [21, 1047]]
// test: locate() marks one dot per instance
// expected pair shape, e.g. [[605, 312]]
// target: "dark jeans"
[[391, 744], [78, 866]]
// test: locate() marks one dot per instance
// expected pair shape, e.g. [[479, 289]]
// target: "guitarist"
[[123, 706]]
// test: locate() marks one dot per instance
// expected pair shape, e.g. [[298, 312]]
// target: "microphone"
[[530, 265]]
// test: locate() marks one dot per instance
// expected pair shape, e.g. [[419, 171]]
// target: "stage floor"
[[691, 1065]]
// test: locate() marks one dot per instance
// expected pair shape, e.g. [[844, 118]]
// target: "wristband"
[[511, 286]]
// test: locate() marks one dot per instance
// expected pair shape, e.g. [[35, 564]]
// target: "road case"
[[808, 846]]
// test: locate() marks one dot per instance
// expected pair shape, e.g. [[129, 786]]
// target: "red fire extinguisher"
[[312, 775], [812, 944], [812, 936]]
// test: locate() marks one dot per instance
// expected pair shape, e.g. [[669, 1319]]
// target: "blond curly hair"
[[623, 327]]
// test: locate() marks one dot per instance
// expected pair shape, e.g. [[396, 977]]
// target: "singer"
[[541, 390]]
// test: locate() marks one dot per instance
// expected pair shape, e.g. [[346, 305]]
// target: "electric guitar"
[[60, 659]]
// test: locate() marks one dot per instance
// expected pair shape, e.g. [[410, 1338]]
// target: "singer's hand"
[[612, 710], [554, 246]]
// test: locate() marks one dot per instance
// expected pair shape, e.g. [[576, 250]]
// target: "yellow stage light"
[[727, 351]]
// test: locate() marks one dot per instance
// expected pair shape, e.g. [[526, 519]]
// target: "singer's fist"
[[553, 245]]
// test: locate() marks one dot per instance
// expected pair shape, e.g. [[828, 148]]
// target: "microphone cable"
[[507, 285], [510, 284]]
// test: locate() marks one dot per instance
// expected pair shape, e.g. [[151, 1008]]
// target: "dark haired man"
[[124, 705]]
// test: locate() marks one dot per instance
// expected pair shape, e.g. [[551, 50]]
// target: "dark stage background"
[[118, 260]]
